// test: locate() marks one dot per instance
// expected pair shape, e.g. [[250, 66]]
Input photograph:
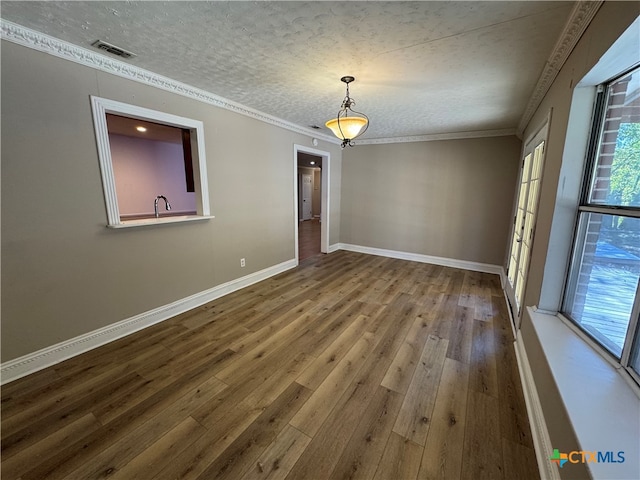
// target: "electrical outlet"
[[242, 262]]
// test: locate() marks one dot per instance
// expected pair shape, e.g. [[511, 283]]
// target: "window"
[[602, 295], [152, 164]]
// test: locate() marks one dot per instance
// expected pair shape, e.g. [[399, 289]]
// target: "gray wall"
[[611, 20], [449, 198], [63, 272]]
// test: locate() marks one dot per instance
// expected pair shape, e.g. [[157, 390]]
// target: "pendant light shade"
[[347, 127], [348, 124]]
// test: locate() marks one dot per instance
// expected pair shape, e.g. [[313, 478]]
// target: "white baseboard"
[[417, 257], [539, 432], [46, 357], [334, 248], [33, 362]]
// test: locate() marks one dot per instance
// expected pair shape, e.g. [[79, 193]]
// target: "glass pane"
[[605, 277], [617, 175], [635, 353], [513, 260], [537, 162], [526, 169]]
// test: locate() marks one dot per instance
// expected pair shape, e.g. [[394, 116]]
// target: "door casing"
[[325, 197], [525, 217]]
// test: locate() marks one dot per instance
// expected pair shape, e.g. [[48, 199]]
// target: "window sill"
[[603, 408], [143, 222]]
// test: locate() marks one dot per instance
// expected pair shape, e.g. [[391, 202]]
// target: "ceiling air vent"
[[107, 47]]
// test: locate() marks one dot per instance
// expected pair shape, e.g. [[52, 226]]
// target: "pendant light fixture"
[[349, 124]]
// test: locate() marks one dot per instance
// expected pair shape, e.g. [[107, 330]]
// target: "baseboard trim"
[[539, 431], [49, 356], [417, 257], [333, 248]]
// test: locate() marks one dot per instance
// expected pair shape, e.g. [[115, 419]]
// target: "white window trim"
[[600, 397], [601, 401], [100, 107]]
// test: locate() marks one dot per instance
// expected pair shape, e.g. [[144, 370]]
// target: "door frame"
[[325, 196], [539, 135]]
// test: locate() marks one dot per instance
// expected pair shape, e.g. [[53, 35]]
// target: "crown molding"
[[581, 16], [577, 23], [439, 136], [26, 37]]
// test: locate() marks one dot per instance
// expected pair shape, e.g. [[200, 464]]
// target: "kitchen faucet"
[[167, 206]]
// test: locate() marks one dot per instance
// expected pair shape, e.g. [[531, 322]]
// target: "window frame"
[[100, 108], [585, 207]]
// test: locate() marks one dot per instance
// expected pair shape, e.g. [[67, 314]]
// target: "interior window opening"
[[152, 164]]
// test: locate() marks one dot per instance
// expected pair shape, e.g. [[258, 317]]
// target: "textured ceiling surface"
[[421, 68]]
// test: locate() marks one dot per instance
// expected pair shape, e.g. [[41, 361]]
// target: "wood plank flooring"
[[349, 366], [308, 238]]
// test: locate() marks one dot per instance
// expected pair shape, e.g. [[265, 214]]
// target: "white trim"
[[333, 248], [577, 23], [439, 136], [595, 345], [539, 431], [26, 37], [503, 278], [145, 222], [540, 135], [33, 362], [418, 257], [506, 301], [100, 107], [39, 41], [325, 203], [602, 410], [325, 195]]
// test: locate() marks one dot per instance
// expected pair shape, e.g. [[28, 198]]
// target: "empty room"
[[313, 240]]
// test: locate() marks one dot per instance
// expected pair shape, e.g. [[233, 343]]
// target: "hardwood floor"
[[349, 366], [308, 238]]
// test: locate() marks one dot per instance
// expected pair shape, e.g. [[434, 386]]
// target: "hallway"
[[308, 238]]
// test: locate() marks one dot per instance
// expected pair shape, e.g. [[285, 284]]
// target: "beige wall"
[[450, 198], [611, 20], [63, 272]]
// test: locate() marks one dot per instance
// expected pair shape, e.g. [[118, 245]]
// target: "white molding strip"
[[44, 43], [418, 257], [439, 136], [26, 37], [539, 432], [33, 362], [333, 248], [578, 21]]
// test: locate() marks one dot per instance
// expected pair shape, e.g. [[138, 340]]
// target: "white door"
[[524, 221], [307, 191]]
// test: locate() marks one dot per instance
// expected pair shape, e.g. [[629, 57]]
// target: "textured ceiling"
[[421, 68]]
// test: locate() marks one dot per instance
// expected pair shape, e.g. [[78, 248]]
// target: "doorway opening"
[[311, 202], [524, 223]]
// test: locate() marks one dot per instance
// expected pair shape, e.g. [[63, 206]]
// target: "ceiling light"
[[312, 163], [349, 124], [141, 129]]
